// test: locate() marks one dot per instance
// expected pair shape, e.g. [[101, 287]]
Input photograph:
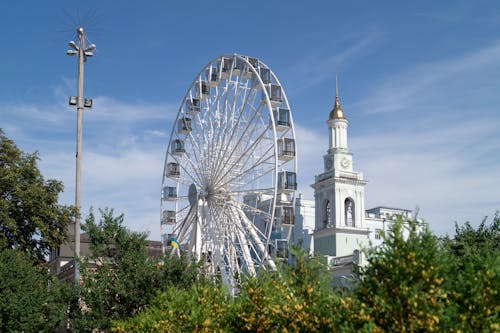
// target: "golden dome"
[[337, 112]]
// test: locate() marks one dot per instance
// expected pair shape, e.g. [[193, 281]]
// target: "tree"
[[402, 287], [31, 219], [118, 278], [28, 302], [474, 276], [203, 307], [414, 282], [296, 298]]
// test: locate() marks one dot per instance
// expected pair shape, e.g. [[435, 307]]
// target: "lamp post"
[[82, 52]]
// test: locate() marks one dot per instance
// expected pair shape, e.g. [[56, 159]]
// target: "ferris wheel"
[[229, 180]]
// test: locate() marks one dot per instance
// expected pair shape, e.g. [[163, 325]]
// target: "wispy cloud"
[[123, 150], [311, 146], [112, 109], [449, 175], [419, 85], [321, 63], [448, 168], [443, 155], [127, 180]]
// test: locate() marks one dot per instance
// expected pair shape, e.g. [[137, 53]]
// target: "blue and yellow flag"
[[175, 243]]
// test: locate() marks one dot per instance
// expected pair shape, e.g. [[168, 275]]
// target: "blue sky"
[[419, 83]]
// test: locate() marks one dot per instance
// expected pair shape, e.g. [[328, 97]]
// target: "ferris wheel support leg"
[[197, 234], [253, 233], [246, 252], [220, 251], [185, 226]]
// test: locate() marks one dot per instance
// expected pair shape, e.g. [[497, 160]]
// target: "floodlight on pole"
[[87, 102], [80, 103], [72, 44]]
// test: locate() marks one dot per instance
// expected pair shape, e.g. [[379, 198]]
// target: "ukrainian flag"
[[174, 243]]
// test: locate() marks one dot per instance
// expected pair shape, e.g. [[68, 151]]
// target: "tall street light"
[[80, 102]]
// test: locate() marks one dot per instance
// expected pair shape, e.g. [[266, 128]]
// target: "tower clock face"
[[328, 163], [345, 163]]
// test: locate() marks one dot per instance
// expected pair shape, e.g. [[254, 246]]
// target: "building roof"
[[386, 207]]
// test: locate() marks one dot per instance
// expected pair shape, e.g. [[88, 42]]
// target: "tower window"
[[328, 214], [349, 212]]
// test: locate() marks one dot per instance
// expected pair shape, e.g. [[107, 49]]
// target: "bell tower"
[[339, 194]]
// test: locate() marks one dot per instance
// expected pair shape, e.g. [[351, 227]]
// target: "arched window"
[[349, 212], [328, 214]]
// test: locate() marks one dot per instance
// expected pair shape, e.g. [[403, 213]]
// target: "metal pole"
[[81, 60]]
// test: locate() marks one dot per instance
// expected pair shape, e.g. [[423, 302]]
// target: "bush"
[[30, 299], [414, 282]]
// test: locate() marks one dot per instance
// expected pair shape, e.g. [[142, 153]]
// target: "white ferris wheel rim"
[[233, 207]]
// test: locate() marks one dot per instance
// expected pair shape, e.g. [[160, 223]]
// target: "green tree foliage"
[[29, 298], [298, 298], [202, 308], [402, 285], [31, 220], [474, 276], [119, 278], [414, 283]]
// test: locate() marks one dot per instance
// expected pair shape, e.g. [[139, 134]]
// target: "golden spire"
[[337, 112]]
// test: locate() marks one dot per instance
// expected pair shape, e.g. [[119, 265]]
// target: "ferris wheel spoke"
[[211, 143], [234, 131], [238, 244], [237, 161], [211, 146], [193, 165], [263, 161], [194, 143], [262, 247], [250, 209], [251, 136], [194, 179], [236, 216], [226, 108], [223, 131], [182, 197], [185, 225], [215, 121], [220, 248], [259, 190], [184, 209], [235, 109], [244, 247], [240, 206], [246, 94]]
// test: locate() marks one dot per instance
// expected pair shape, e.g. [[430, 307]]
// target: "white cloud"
[[311, 146], [125, 112], [123, 151], [156, 133], [445, 167], [442, 170], [435, 81], [445, 170], [316, 67], [128, 181]]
